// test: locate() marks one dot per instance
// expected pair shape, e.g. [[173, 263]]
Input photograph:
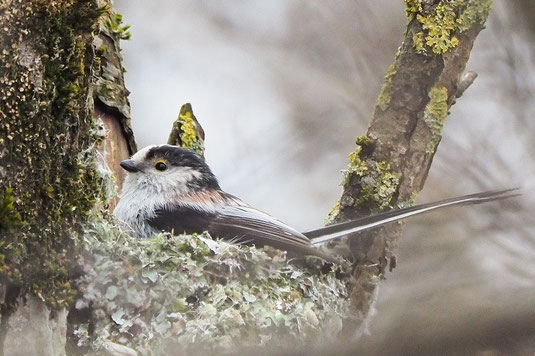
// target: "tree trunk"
[[50, 179]]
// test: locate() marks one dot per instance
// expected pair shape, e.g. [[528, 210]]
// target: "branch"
[[391, 162], [112, 107], [467, 79], [187, 131]]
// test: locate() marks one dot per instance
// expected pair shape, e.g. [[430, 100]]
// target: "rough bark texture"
[[49, 179], [112, 107], [391, 162], [111, 96]]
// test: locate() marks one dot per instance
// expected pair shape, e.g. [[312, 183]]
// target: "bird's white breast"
[[144, 193]]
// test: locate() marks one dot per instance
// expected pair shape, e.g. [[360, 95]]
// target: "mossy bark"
[[391, 162], [49, 140], [187, 131]]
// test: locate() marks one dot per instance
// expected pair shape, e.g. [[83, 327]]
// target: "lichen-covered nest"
[[185, 293]]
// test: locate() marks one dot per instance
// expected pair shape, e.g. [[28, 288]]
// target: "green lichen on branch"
[[385, 96], [435, 114], [47, 137], [186, 131], [363, 141], [442, 22], [378, 186], [174, 294], [376, 181]]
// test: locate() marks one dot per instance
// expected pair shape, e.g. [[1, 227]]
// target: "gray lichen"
[[191, 292]]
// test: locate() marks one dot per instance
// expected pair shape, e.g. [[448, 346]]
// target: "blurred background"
[[283, 87]]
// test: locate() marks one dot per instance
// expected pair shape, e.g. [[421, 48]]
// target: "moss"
[[435, 114], [442, 22], [9, 217], [115, 24], [44, 86]]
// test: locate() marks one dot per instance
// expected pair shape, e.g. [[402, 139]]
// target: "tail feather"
[[351, 227]]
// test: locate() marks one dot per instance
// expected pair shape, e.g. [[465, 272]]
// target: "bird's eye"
[[160, 165]]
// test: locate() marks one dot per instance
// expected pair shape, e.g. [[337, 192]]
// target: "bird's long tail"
[[368, 222]]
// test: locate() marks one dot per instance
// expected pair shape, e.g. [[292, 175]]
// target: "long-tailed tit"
[[172, 189]]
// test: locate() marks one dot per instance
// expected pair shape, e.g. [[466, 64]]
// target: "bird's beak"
[[129, 165]]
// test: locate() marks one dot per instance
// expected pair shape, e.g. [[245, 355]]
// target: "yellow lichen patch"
[[440, 27], [412, 7], [379, 187], [333, 214], [355, 167], [377, 181], [188, 130], [363, 141], [435, 114], [384, 98], [443, 22]]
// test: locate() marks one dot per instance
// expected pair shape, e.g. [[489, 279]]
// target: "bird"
[[172, 189]]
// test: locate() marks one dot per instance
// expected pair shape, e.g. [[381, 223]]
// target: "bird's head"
[[167, 169]]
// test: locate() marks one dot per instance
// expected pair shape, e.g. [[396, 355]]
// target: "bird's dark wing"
[[234, 221], [369, 222]]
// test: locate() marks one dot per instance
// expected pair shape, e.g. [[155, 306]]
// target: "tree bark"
[[51, 142], [391, 162]]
